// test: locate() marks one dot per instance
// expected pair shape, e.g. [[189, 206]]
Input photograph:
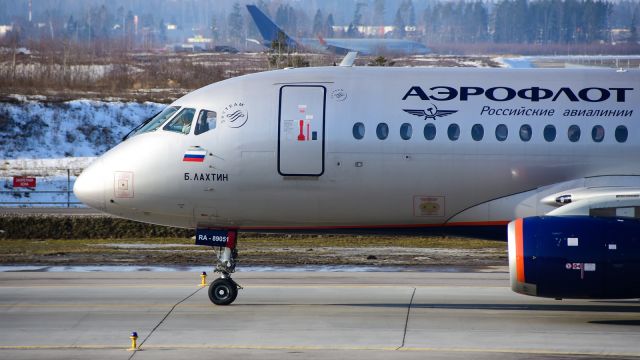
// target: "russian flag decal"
[[194, 155]]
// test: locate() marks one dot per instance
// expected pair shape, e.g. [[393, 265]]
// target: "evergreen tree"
[[378, 13], [357, 21], [318, 24], [235, 23], [162, 31], [281, 15], [120, 19], [399, 25], [480, 21], [328, 26], [101, 23], [213, 28], [286, 18], [410, 12], [129, 27], [72, 28], [633, 27]]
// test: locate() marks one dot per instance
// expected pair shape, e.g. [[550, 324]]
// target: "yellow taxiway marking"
[[321, 348], [516, 351]]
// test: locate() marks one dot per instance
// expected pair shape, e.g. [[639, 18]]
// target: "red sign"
[[23, 181]]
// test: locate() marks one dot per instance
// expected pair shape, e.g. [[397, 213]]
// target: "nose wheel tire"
[[223, 291]]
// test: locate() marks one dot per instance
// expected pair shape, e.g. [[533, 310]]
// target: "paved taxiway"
[[301, 315]]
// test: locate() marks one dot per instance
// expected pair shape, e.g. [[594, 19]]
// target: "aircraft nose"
[[89, 186]]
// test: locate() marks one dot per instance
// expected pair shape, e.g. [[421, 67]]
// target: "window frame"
[[621, 129], [379, 128], [480, 135], [184, 109], [499, 127], [451, 127], [408, 131], [576, 130], [430, 126], [149, 128], [594, 133], [529, 132], [195, 123], [551, 128]]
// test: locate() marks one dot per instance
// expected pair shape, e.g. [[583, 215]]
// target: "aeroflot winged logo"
[[431, 112]]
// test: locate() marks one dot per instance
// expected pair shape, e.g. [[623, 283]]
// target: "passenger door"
[[301, 130]]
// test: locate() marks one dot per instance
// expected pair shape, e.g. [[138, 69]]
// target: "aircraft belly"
[[362, 190]]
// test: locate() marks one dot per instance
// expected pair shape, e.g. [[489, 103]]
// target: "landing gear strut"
[[223, 291]]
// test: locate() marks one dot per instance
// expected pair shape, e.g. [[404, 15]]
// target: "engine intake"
[[579, 257]]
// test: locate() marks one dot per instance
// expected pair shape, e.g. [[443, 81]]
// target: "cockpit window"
[[206, 121], [159, 119], [182, 122]]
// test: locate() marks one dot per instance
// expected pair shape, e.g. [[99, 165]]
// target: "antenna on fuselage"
[[349, 59]]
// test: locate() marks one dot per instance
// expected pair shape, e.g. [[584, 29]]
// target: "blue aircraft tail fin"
[[268, 29]]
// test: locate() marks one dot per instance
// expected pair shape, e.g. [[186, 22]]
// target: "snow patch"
[[521, 62], [78, 128]]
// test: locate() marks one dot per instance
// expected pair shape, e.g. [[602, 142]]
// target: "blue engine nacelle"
[[578, 257]]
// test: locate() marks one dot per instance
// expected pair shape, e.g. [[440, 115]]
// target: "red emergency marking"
[[308, 137], [301, 135], [519, 251], [23, 181]]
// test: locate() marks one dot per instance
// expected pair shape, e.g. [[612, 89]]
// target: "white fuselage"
[[285, 152]]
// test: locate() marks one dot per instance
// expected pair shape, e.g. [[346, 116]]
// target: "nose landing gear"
[[224, 290]]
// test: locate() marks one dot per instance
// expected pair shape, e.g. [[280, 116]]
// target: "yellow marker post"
[[134, 342], [203, 279]]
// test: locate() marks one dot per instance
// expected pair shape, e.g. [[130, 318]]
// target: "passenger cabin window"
[[358, 130], [405, 131], [182, 122], [477, 132], [621, 134], [453, 132], [206, 121], [573, 133], [382, 131], [159, 119], [525, 132], [597, 133], [429, 131], [502, 132], [549, 133]]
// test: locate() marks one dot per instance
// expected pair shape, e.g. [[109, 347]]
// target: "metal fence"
[[54, 188]]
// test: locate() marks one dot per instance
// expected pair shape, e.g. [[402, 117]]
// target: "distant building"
[[4, 29], [199, 39], [620, 35], [188, 48]]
